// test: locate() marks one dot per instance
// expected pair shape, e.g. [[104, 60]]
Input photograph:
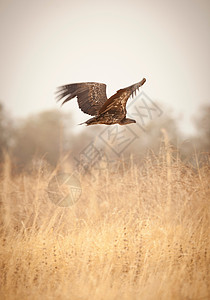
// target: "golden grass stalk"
[[137, 232]]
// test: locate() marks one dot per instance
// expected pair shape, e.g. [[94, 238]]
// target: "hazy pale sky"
[[45, 44]]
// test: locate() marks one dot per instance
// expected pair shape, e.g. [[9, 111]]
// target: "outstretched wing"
[[118, 101], [90, 95]]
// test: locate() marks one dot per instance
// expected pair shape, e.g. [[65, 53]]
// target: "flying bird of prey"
[[92, 100]]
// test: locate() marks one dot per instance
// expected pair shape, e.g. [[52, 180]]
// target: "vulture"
[[92, 100]]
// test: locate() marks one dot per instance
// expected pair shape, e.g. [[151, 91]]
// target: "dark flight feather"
[[90, 95]]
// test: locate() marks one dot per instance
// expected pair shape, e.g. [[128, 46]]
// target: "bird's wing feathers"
[[119, 100], [91, 95]]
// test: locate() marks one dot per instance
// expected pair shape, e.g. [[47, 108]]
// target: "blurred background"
[[51, 43]]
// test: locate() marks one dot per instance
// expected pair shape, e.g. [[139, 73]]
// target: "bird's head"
[[127, 121]]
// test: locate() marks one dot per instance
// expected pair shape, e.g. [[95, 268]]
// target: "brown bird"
[[92, 100]]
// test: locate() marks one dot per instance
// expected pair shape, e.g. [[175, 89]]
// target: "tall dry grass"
[[137, 232]]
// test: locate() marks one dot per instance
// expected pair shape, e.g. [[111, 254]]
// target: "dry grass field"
[[139, 231]]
